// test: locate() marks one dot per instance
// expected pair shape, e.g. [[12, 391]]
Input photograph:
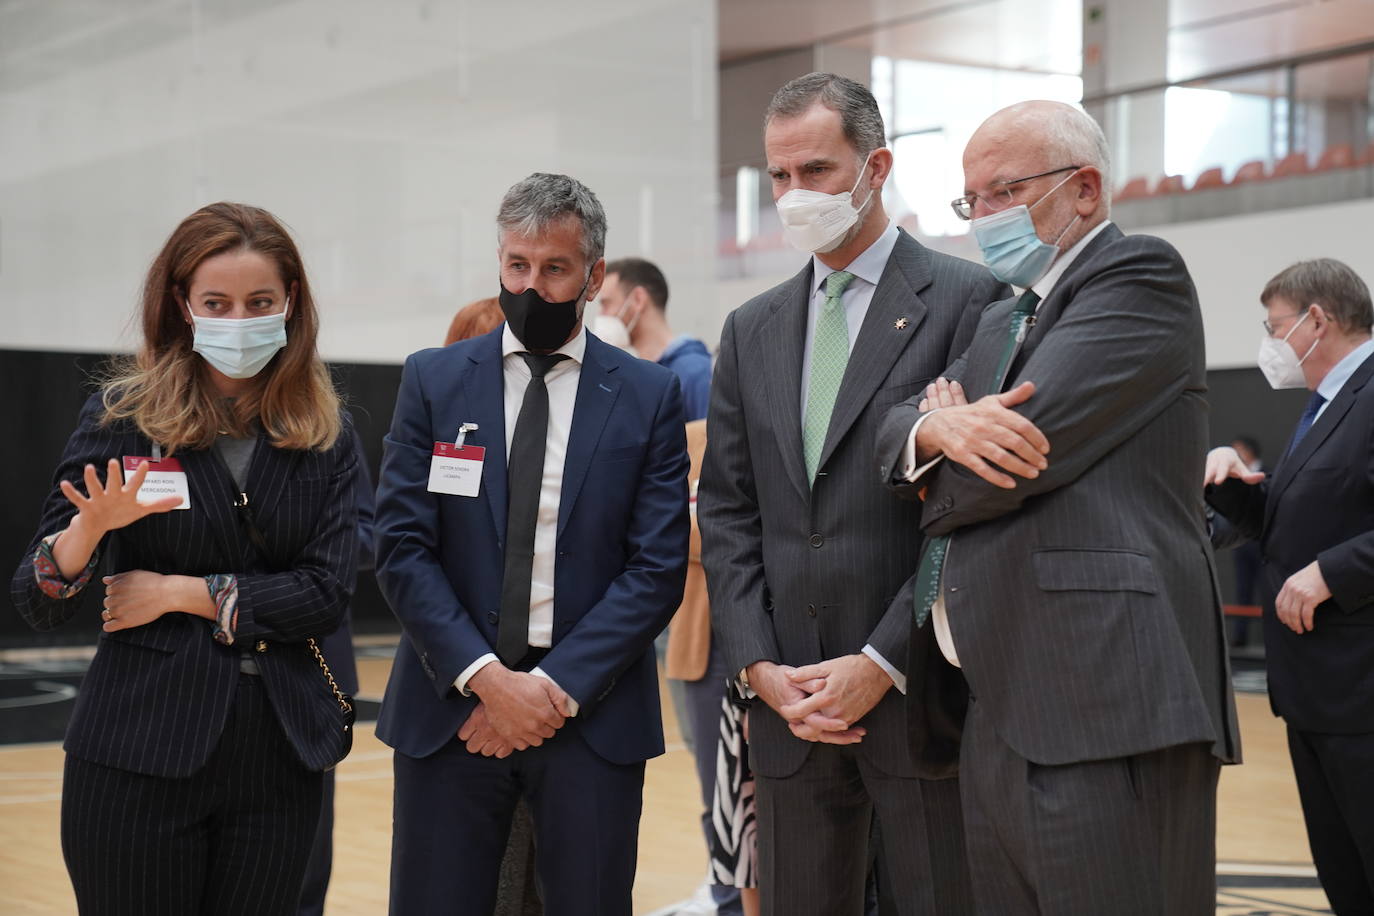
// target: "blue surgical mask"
[[1011, 248], [240, 347]]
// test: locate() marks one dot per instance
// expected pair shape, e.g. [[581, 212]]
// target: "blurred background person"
[[635, 295], [338, 654], [474, 320], [1245, 556], [194, 755]]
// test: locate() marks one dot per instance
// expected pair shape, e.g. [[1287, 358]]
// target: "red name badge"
[[456, 470], [165, 478]]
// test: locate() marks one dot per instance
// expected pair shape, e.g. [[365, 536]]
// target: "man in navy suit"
[[532, 535], [1314, 520]]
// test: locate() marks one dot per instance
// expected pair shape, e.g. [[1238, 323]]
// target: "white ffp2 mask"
[[814, 222]]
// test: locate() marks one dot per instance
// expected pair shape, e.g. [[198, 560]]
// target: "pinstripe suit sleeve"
[[1121, 353], [311, 597], [731, 527], [89, 444]]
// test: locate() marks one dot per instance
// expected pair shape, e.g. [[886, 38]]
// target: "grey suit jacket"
[[798, 575], [1083, 603]]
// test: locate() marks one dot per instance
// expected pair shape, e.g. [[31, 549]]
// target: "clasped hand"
[[517, 711], [987, 436], [822, 702]]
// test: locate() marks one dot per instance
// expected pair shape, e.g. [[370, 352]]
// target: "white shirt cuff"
[[742, 682], [572, 704], [461, 681], [898, 678], [910, 472]]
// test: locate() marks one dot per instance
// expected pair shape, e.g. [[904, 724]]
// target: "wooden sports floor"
[[1264, 863]]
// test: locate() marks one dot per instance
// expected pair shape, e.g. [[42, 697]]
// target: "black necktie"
[[1309, 416], [524, 481]]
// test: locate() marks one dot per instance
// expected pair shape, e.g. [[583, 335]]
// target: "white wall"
[[383, 134], [1232, 258]]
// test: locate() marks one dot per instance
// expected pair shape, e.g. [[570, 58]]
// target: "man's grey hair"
[[1328, 283], [1072, 137], [858, 110], [534, 203]]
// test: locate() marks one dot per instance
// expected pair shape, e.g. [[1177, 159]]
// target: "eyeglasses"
[[1271, 329], [1000, 198]]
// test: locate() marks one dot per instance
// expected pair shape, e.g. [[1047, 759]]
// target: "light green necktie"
[[829, 356]]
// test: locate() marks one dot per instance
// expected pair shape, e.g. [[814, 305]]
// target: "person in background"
[[531, 567], [226, 515], [338, 653], [1314, 520], [1246, 556], [635, 296], [474, 319]]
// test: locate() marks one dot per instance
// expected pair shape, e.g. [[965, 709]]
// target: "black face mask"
[[538, 324]]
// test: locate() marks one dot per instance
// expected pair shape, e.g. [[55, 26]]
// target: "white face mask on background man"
[[1280, 362], [815, 222]]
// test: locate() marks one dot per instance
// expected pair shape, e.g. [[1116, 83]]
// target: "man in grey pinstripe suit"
[[1077, 592], [804, 548]]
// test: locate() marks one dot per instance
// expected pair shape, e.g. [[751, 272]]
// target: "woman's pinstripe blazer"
[[156, 697]]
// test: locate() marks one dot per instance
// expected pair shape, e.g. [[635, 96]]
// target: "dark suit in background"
[[190, 785], [621, 562], [800, 574], [1083, 603], [1319, 505]]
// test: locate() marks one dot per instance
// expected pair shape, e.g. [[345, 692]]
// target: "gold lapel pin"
[[900, 324]]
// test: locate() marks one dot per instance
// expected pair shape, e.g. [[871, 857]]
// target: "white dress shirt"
[[1339, 374], [939, 618], [867, 269], [561, 381]]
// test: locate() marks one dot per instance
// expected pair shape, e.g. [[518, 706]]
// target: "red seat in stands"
[[1251, 171], [1292, 164], [1340, 156], [1169, 184], [1212, 178], [1136, 187]]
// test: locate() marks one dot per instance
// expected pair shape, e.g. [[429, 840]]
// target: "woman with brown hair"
[[227, 523]]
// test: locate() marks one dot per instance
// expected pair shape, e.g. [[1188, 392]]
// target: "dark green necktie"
[[928, 573]]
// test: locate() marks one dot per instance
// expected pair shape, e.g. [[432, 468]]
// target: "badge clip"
[[463, 433]]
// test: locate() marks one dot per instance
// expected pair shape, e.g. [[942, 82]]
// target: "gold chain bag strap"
[[345, 702]]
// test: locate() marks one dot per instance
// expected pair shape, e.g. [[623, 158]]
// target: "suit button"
[[261, 646], [811, 610], [492, 617], [817, 540]]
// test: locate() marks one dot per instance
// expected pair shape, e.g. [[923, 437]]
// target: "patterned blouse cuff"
[[50, 579], [224, 592]]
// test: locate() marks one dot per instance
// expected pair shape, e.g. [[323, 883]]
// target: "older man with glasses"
[[1067, 571]]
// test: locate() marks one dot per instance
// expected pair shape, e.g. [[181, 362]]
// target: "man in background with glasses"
[[1068, 571], [1314, 519]]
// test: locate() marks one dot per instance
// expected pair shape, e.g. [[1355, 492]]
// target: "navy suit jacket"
[[623, 531], [1319, 505], [156, 697]]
